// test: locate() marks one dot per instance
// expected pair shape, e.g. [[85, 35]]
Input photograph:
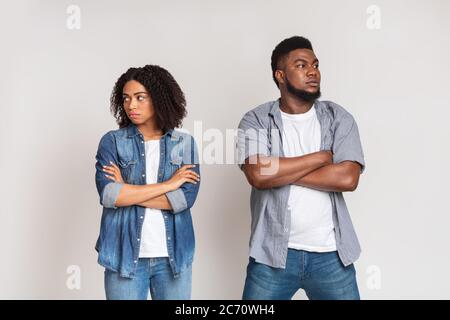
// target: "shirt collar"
[[133, 131]]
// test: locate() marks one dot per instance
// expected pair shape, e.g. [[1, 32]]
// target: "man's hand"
[[283, 171]]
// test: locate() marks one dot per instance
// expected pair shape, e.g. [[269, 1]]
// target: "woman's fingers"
[[110, 177], [186, 166], [192, 175], [190, 172], [114, 165], [190, 180]]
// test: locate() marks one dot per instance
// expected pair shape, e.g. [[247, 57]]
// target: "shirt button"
[[139, 239], [168, 238], [165, 217], [171, 259], [142, 154], [142, 217], [142, 141], [143, 175], [286, 230], [135, 261]]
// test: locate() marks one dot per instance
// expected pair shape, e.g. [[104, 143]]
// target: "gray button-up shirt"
[[260, 133]]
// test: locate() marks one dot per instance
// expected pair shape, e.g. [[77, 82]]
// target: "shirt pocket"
[[127, 169], [176, 157], [175, 163], [126, 157]]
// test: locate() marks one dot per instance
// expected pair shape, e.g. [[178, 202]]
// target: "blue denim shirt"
[[260, 133], [120, 231]]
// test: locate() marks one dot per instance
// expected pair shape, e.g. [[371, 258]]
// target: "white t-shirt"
[[312, 227], [153, 236]]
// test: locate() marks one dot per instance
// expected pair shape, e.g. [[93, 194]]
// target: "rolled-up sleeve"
[[107, 189], [184, 197], [252, 139], [177, 200], [347, 143]]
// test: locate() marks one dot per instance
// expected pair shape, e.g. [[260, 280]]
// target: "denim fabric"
[[151, 273], [120, 229], [321, 275]]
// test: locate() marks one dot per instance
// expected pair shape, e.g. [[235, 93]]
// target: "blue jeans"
[[321, 275], [154, 274]]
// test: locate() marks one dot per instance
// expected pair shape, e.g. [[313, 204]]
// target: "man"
[[300, 154]]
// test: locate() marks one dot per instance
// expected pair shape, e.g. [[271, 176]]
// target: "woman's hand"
[[183, 175], [113, 173]]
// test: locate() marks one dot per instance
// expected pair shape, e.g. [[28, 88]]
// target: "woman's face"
[[137, 103]]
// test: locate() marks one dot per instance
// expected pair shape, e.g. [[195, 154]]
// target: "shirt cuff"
[[110, 194], [177, 200]]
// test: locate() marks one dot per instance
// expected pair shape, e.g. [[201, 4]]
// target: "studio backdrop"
[[386, 62]]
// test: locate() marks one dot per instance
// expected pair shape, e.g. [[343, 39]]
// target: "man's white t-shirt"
[[312, 227], [153, 236]]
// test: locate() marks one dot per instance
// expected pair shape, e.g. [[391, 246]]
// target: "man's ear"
[[279, 75]]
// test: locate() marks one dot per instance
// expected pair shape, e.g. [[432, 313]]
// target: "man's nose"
[[312, 72]]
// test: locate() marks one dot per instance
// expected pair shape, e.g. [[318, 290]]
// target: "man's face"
[[299, 73]]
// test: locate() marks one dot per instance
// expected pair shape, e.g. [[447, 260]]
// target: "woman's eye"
[[141, 98], [126, 99]]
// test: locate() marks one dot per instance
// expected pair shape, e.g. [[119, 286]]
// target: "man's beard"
[[302, 94]]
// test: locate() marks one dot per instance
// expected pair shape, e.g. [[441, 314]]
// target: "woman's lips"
[[133, 115]]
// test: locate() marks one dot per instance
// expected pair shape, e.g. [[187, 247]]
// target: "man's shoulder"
[[263, 109], [259, 114], [335, 111]]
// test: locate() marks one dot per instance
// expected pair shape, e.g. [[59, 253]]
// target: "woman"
[[147, 177]]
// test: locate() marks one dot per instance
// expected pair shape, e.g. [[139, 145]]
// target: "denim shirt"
[[120, 230], [259, 132]]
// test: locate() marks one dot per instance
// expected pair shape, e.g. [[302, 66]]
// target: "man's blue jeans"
[[154, 274], [321, 275]]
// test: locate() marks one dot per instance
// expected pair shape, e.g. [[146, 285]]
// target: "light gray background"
[[55, 85]]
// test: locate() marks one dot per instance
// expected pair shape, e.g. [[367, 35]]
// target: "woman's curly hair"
[[166, 95]]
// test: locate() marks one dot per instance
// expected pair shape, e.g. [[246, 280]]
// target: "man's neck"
[[294, 105]]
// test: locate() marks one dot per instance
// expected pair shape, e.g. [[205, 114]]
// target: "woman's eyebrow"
[[134, 94]]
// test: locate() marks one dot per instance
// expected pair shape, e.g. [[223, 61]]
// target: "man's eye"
[[316, 66], [301, 66]]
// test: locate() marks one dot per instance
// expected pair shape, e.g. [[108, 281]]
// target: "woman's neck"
[[150, 131]]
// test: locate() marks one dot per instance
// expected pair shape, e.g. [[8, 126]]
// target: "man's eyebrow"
[[303, 60]]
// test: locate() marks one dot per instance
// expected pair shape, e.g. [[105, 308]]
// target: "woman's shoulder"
[[112, 135], [183, 134]]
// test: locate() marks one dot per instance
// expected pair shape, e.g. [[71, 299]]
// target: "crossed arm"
[[150, 195], [314, 170]]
